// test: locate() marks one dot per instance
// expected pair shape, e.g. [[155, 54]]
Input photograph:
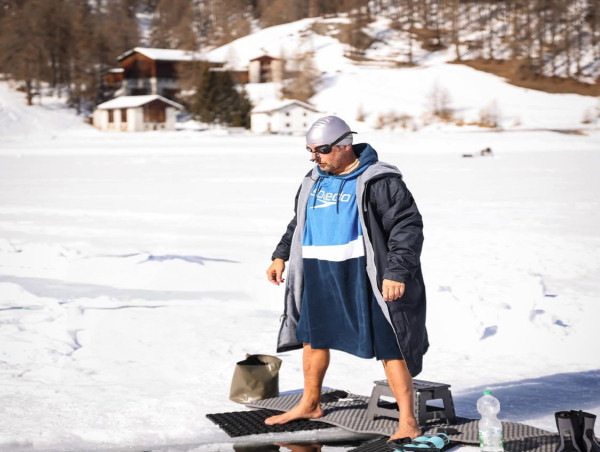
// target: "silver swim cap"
[[328, 129]]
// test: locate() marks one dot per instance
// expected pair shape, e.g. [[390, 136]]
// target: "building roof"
[[272, 105], [136, 101], [165, 54], [265, 56]]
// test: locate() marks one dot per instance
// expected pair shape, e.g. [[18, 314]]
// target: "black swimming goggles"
[[326, 148]]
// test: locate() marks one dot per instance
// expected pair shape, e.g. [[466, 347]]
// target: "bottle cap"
[[487, 392]]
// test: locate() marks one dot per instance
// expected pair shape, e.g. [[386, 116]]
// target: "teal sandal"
[[422, 443]]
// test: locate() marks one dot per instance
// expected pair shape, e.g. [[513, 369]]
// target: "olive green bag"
[[255, 378]]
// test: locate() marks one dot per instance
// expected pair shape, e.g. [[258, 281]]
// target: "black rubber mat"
[[244, 423], [518, 443], [378, 445], [381, 445], [350, 413], [514, 432]]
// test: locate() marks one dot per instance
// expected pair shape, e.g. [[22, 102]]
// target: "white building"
[[136, 114], [286, 116]]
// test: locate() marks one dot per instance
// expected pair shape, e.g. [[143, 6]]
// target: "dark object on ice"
[[487, 152], [255, 378], [589, 439], [244, 423], [576, 430], [570, 429]]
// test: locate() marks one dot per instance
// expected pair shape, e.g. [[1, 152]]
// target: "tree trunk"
[[455, 26], [29, 91], [567, 42], [490, 29], [411, 24]]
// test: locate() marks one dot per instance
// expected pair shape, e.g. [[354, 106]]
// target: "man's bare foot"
[[300, 411], [407, 431]]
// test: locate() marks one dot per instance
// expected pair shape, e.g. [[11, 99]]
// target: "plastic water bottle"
[[491, 437]]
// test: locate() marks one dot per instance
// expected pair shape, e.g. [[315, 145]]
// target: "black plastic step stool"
[[423, 392]]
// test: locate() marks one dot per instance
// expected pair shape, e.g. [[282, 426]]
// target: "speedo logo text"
[[326, 199]]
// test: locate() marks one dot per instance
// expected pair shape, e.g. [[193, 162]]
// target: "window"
[[111, 116], [123, 115]]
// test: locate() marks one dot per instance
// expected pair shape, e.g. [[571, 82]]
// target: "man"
[[354, 280]]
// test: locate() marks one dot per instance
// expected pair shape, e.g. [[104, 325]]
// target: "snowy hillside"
[[132, 266], [351, 89]]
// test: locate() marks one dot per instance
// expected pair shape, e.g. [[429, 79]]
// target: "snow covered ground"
[[132, 274]]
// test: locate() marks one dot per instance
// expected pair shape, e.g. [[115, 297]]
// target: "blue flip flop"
[[422, 443]]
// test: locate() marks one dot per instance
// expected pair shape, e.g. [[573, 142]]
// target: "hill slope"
[[356, 90]]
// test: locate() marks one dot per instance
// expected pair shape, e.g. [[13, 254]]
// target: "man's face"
[[334, 162]]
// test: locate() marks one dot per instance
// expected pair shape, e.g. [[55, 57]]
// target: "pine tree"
[[217, 99], [200, 105]]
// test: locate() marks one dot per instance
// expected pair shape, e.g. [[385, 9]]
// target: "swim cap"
[[328, 129]]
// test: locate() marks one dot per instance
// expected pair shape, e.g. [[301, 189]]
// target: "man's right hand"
[[275, 271]]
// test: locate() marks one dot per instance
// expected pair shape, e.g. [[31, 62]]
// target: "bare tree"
[[22, 48], [275, 12], [172, 26], [591, 16], [453, 13], [302, 77], [440, 102], [410, 15]]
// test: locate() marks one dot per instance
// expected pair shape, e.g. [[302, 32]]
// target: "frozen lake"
[[132, 278]]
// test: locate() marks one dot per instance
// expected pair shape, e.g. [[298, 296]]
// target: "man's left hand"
[[392, 290]]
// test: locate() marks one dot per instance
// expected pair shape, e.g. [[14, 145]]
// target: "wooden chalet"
[[156, 71]]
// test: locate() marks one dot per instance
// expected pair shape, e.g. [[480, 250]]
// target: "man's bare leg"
[[401, 385], [314, 364]]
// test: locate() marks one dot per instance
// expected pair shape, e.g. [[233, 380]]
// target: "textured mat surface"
[[513, 431], [350, 413], [532, 444], [243, 423]]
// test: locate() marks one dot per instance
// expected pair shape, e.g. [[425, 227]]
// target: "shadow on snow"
[[535, 397]]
